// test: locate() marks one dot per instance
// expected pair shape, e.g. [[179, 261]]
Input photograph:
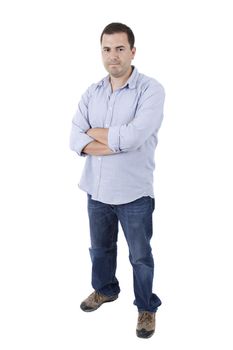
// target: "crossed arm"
[[118, 138], [99, 147]]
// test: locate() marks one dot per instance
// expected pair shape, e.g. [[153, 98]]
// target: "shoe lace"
[[97, 297], [145, 317]]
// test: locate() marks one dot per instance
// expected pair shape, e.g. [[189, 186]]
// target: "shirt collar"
[[131, 82], [133, 78]]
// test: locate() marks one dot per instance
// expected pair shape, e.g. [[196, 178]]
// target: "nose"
[[113, 55]]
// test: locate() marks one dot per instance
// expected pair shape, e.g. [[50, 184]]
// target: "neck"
[[118, 82]]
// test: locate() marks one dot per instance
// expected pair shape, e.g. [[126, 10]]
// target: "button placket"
[[107, 123], [108, 118], [98, 165]]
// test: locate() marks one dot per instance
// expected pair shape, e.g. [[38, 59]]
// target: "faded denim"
[[137, 224]]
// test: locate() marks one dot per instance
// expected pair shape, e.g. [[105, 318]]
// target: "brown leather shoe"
[[95, 300], [146, 324]]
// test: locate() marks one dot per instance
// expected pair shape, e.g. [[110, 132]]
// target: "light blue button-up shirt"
[[133, 114]]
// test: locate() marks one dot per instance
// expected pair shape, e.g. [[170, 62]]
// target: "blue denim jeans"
[[136, 221]]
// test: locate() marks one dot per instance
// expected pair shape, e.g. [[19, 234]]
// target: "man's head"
[[117, 44]]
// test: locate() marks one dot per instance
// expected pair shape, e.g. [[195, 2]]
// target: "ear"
[[133, 52]]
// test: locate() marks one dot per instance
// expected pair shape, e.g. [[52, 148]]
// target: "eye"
[[106, 49]]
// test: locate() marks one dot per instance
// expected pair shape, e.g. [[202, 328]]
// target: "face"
[[117, 54]]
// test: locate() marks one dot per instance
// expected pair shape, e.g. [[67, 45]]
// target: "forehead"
[[116, 39]]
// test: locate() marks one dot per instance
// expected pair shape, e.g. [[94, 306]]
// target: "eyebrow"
[[117, 47]]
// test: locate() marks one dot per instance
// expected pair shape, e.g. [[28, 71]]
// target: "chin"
[[116, 75], [115, 71]]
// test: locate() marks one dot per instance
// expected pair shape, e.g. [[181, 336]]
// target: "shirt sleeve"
[[80, 124], [147, 121]]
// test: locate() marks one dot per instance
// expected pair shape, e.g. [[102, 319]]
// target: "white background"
[[49, 55]]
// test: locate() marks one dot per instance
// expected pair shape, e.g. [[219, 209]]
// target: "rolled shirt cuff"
[[78, 141], [83, 144]]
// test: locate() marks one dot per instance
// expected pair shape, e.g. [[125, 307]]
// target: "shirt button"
[[99, 158], [106, 125]]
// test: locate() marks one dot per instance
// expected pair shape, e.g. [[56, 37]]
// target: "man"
[[116, 128]]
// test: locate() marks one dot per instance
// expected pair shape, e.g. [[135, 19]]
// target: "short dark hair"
[[119, 28]]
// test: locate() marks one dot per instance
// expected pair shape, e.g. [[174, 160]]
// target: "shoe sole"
[[95, 308], [144, 334]]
